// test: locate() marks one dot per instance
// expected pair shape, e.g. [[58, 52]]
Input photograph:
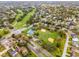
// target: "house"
[[73, 34], [24, 51], [17, 32], [75, 41], [12, 52], [30, 32]]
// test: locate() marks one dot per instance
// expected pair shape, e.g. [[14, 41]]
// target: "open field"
[[25, 19], [46, 35]]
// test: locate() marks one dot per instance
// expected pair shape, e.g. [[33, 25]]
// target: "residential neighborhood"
[[39, 29]]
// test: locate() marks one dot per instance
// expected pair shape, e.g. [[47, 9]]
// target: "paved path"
[[66, 45]]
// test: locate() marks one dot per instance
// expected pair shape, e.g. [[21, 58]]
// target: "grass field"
[[24, 20], [45, 35]]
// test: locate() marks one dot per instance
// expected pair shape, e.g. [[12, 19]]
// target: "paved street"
[[66, 45], [33, 49], [42, 50]]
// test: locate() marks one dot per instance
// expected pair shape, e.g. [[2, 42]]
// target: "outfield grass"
[[24, 20]]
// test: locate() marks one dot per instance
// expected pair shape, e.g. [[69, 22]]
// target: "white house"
[[75, 41], [17, 32]]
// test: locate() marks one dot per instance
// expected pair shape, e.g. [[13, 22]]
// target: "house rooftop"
[[75, 39], [73, 34], [30, 32]]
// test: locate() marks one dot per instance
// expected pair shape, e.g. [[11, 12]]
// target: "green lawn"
[[25, 31], [69, 50], [19, 14], [25, 19], [31, 54], [3, 32], [45, 35], [2, 48]]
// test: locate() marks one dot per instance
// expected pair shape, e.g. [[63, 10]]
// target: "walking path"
[[66, 45]]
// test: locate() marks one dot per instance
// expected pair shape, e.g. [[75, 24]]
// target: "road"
[[16, 31], [37, 53], [66, 45], [41, 50]]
